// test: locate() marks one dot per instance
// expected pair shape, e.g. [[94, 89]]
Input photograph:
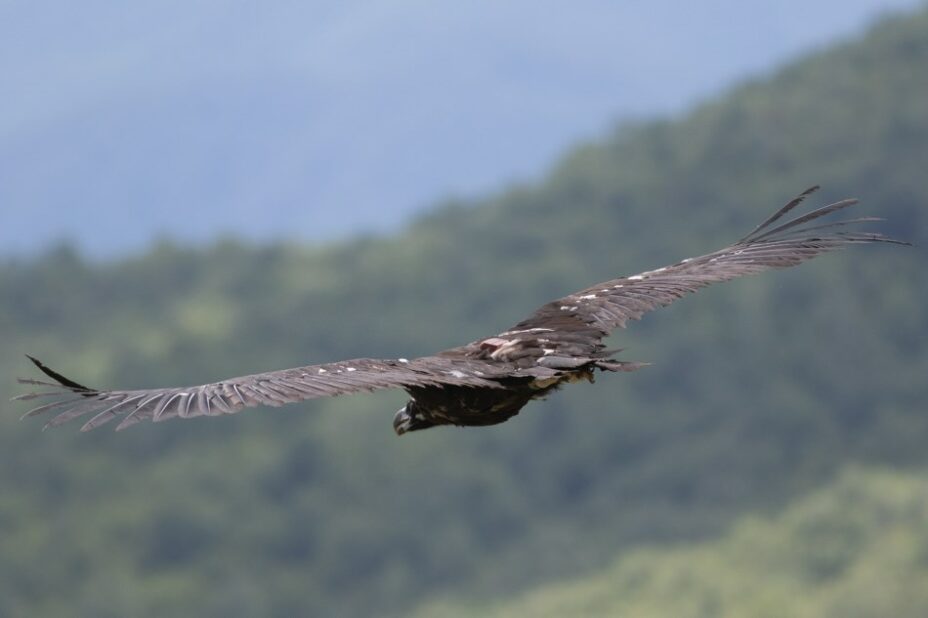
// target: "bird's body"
[[489, 380]]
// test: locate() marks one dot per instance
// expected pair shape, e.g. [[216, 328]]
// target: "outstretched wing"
[[609, 305], [275, 388]]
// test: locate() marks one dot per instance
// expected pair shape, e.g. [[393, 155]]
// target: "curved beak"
[[402, 421]]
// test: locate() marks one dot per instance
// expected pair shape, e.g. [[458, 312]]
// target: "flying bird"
[[489, 380]]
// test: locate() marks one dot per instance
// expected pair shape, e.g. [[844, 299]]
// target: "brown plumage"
[[489, 380]]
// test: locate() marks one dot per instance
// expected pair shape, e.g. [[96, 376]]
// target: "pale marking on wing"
[[635, 278], [403, 360], [537, 329], [352, 369], [187, 403], [588, 297], [323, 371], [148, 401], [160, 411], [505, 348], [237, 392]]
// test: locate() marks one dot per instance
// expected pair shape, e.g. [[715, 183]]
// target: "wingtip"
[[60, 379]]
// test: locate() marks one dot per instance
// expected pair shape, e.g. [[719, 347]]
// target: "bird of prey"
[[489, 380]]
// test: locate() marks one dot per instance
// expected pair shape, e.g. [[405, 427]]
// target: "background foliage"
[[859, 547], [763, 390]]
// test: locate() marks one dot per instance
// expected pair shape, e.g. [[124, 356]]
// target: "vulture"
[[487, 381]]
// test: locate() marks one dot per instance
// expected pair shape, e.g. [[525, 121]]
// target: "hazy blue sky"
[[122, 121]]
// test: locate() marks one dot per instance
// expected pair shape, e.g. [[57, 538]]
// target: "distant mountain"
[[761, 391], [855, 547], [120, 123]]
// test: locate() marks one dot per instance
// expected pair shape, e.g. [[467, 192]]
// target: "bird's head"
[[408, 418]]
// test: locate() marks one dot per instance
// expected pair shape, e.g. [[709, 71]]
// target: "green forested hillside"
[[859, 547], [761, 389]]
